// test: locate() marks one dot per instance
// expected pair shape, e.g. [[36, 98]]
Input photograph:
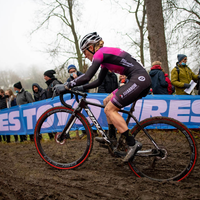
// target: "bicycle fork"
[[73, 118], [65, 133]]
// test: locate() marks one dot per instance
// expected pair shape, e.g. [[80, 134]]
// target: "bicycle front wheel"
[[74, 149], [178, 150]]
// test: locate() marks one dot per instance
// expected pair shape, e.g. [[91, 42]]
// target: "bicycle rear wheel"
[[70, 152], [176, 143]]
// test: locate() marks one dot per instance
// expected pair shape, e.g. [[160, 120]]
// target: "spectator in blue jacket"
[[159, 84]]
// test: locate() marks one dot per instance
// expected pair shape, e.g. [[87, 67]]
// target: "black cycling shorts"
[[137, 87]]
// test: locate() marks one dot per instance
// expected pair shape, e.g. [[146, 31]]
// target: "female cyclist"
[[118, 61]]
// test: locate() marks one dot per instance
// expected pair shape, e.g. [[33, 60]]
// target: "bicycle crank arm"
[[148, 153]]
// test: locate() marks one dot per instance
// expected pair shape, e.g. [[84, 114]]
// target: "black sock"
[[112, 131], [130, 140]]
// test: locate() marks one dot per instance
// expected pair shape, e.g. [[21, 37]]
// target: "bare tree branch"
[[63, 12], [140, 23]]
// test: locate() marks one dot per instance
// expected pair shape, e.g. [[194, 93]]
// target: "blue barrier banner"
[[21, 120]]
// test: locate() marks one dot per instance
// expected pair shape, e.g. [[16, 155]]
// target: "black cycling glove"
[[59, 88], [79, 88]]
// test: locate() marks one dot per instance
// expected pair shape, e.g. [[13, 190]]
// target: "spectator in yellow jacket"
[[181, 75]]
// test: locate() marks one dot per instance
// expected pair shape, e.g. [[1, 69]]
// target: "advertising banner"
[[21, 120]]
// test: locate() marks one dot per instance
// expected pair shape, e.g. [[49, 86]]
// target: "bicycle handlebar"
[[72, 92]]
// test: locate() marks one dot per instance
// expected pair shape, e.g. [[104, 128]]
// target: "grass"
[[45, 136], [195, 133]]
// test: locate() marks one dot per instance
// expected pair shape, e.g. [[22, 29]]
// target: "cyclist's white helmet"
[[88, 39]]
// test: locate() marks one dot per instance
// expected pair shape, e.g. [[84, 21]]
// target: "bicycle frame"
[[83, 104]]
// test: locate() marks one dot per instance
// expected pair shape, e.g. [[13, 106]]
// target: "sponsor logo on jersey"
[[73, 83], [141, 78], [131, 89], [126, 63]]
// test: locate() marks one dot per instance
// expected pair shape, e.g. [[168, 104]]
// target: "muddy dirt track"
[[25, 176]]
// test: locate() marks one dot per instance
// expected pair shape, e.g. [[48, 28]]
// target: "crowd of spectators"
[[9, 99], [181, 77]]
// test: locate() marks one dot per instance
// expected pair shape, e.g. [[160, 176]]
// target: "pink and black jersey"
[[121, 62], [108, 58]]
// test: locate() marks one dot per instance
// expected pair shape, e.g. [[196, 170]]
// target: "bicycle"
[[169, 151]]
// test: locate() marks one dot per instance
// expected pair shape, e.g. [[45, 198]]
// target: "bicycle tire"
[[71, 152], [176, 141]]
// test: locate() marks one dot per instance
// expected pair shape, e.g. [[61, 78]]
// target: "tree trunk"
[[156, 33]]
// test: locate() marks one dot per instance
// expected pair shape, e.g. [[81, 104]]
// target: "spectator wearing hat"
[[23, 97], [181, 75], [74, 74], [51, 81]]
